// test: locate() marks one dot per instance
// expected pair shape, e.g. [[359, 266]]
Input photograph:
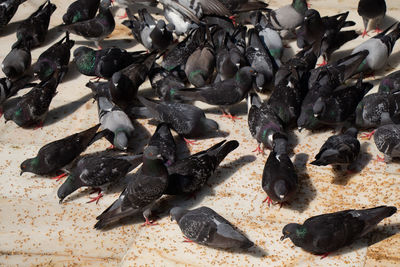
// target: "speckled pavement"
[[36, 230]]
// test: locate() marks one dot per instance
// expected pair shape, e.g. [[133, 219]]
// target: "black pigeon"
[[378, 109], [341, 104], [178, 55], [379, 47], [291, 86], [8, 8], [341, 149], [387, 140], [326, 233], [224, 93], [9, 88], [206, 227], [95, 29], [164, 141], [17, 62], [81, 10], [326, 31], [323, 81], [150, 33], [261, 60], [279, 179], [31, 108], [56, 57], [264, 124], [32, 31], [187, 120], [165, 83], [188, 175], [57, 154], [390, 83], [105, 62], [95, 170], [371, 9], [147, 186]]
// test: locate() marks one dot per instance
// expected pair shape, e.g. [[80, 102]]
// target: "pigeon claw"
[[149, 223], [59, 177], [190, 142], [111, 147], [233, 19], [39, 126], [259, 150], [269, 201], [377, 30], [367, 136], [93, 199], [364, 33], [324, 255], [187, 240], [230, 116], [380, 159], [123, 16], [323, 63]]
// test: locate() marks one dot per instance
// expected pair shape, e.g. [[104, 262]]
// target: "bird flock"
[[219, 52]]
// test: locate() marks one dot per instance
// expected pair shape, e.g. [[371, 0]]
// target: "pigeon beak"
[[299, 128], [61, 200], [281, 196], [316, 115], [237, 65], [21, 173], [283, 237]]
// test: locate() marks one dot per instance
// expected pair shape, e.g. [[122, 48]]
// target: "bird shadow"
[[306, 192], [120, 43], [10, 28], [72, 73], [364, 157], [52, 35], [237, 109], [65, 110], [379, 234]]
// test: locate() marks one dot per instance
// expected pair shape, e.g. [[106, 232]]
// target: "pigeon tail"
[[373, 216]]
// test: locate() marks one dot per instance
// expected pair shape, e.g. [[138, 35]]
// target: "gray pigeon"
[[147, 186], [279, 179], [371, 9], [288, 17], [200, 65], [206, 227], [339, 150], [95, 29], [390, 83], [379, 47], [387, 140], [326, 233], [17, 61], [114, 119], [96, 170]]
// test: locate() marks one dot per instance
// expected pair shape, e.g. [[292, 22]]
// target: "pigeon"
[[236, 6], [105, 62], [55, 57], [200, 65], [8, 8], [380, 47], [188, 175], [371, 9], [9, 88], [81, 10], [31, 108], [206, 227], [341, 149], [146, 187], [17, 62], [261, 60], [179, 54], [387, 139], [390, 83], [164, 141], [291, 86], [115, 120], [136, 5], [150, 33], [271, 39], [323, 81], [378, 109], [95, 29], [288, 17], [326, 30], [185, 14], [263, 123], [32, 31], [341, 104], [187, 120], [224, 93], [326, 233], [95, 170], [279, 179], [165, 82], [57, 154]]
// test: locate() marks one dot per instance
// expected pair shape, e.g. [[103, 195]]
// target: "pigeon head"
[[120, 139], [245, 75], [196, 78], [352, 132], [294, 231], [67, 188], [9, 71], [300, 6], [260, 81], [116, 78], [307, 120], [160, 24], [152, 153], [82, 50], [266, 134], [176, 213], [104, 5], [281, 190], [29, 165], [311, 14], [44, 70], [319, 107]]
